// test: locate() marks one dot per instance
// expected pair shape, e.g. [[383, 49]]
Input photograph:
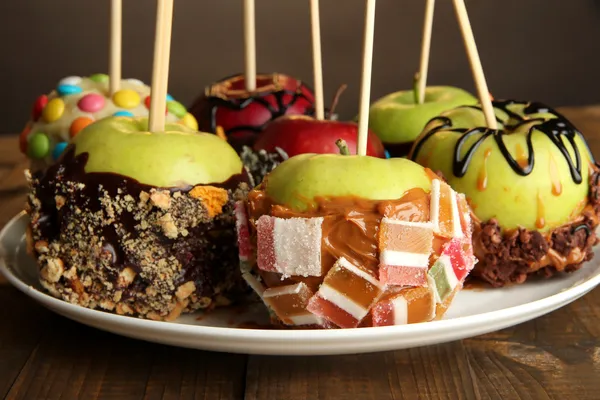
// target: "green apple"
[[396, 118], [299, 180], [542, 200], [176, 157]]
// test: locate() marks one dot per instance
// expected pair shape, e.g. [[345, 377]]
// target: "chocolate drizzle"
[[276, 94], [556, 129]]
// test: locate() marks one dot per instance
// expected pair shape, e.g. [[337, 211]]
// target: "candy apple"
[[242, 114], [397, 118], [176, 157], [532, 172], [299, 180], [299, 134]]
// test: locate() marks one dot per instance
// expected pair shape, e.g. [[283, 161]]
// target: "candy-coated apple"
[[300, 179], [538, 189], [397, 119], [176, 157], [301, 134], [242, 114]]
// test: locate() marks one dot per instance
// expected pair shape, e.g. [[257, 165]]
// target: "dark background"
[[547, 50]]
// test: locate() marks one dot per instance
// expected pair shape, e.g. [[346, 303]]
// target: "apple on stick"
[[399, 117], [303, 134]]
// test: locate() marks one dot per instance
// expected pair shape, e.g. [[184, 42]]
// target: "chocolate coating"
[[107, 241]]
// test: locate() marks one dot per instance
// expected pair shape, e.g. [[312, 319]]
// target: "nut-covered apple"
[[532, 185], [139, 223]]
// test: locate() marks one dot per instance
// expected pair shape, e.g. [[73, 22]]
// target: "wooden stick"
[[425, 50], [317, 61], [160, 71], [249, 45], [116, 13], [476, 67], [365, 85]]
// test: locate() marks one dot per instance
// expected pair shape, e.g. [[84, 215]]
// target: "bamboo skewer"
[[249, 46], [365, 86], [160, 71], [116, 13], [317, 60], [425, 51], [476, 67]]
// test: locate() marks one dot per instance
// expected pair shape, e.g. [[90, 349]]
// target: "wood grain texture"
[[554, 356], [49, 357]]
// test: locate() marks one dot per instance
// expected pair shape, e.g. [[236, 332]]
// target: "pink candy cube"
[[290, 246], [404, 252]]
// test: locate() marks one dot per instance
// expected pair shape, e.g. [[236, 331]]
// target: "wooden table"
[[554, 356]]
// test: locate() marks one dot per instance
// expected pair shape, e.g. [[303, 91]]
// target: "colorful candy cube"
[[442, 273], [409, 306], [346, 294], [450, 269], [444, 210], [404, 252], [243, 233], [290, 246], [289, 304]]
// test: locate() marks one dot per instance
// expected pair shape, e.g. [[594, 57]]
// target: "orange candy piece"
[[78, 124]]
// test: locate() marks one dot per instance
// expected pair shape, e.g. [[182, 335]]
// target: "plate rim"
[[538, 307]]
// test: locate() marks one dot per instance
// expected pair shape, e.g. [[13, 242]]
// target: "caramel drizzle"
[[557, 130]]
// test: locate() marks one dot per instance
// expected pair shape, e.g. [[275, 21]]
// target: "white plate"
[[474, 312]]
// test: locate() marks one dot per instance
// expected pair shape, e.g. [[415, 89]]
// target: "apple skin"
[[242, 114], [300, 134], [176, 157], [396, 118], [300, 179], [510, 198]]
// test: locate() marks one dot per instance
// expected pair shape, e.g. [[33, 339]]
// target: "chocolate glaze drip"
[[557, 130], [196, 252], [277, 101]]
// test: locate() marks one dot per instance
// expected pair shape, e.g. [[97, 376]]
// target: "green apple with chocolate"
[[139, 223], [398, 118], [529, 184]]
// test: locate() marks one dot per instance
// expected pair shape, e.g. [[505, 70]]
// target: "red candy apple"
[[243, 114], [300, 134]]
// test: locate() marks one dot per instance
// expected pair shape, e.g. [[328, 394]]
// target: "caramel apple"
[[344, 241], [531, 183]]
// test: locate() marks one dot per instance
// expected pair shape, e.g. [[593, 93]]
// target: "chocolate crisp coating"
[[105, 241], [513, 256]]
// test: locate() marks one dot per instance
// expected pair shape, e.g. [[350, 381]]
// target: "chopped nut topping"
[[185, 290], [41, 246], [60, 201], [53, 270], [168, 226], [161, 199], [126, 277]]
